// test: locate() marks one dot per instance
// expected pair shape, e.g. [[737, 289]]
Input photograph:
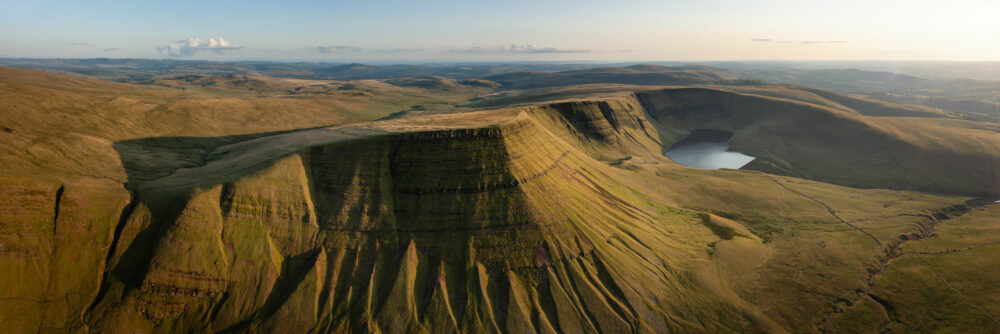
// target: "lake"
[[707, 149]]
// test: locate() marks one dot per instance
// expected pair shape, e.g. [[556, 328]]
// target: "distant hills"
[[145, 69], [632, 75], [975, 98]]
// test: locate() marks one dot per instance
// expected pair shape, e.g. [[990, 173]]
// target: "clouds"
[[197, 47], [112, 49], [191, 46], [768, 40], [532, 48], [517, 49], [341, 51]]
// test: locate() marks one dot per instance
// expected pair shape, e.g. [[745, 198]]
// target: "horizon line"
[[444, 61]]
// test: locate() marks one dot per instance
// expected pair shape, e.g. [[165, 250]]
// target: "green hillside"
[[200, 205]]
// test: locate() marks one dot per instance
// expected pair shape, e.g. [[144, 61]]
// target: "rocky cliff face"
[[53, 245], [501, 228]]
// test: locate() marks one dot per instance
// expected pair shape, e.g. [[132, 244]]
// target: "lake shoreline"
[[707, 149]]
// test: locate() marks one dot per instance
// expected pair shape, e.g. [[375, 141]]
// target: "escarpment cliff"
[[606, 130], [498, 228]]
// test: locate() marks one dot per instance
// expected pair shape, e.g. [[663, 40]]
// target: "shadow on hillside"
[[151, 158], [146, 159]]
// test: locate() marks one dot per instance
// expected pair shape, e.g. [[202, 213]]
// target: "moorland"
[[258, 197]]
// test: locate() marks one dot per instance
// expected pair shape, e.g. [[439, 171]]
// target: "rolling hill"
[[632, 75]]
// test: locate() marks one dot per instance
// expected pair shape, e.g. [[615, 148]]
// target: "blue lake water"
[[707, 149]]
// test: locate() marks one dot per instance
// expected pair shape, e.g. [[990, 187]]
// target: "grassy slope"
[[552, 217], [70, 143], [951, 274], [636, 75]]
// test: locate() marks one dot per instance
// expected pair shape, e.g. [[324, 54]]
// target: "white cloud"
[[188, 47], [83, 43], [532, 48]]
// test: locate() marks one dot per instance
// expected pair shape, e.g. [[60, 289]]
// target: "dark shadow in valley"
[[146, 159]]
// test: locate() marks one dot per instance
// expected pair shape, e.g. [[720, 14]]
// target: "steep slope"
[[53, 242], [69, 144], [502, 227]]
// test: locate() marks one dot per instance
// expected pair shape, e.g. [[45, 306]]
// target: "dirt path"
[[891, 251], [829, 209]]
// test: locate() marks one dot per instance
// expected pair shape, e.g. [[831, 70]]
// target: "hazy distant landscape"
[[970, 89], [469, 167]]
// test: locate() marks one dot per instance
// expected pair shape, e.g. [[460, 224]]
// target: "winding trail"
[[829, 209], [891, 251]]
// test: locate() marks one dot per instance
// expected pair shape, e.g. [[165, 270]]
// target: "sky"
[[515, 30]]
